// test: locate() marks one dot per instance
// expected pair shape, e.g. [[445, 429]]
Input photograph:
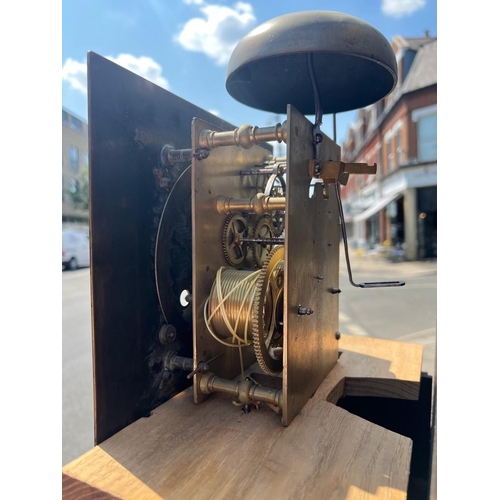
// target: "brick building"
[[75, 160], [398, 205]]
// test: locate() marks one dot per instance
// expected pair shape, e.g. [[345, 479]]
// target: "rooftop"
[[423, 72]]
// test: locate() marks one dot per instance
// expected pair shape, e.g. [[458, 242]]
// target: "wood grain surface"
[[214, 451]]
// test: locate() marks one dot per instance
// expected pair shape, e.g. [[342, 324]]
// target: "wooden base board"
[[214, 451]]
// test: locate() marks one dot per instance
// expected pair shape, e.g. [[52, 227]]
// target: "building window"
[[72, 121], [388, 152], [76, 124], [427, 137], [73, 157], [399, 151], [85, 159]]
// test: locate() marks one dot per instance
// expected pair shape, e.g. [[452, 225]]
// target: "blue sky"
[[184, 45]]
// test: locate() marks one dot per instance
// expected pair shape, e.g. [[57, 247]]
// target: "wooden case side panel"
[[130, 120]]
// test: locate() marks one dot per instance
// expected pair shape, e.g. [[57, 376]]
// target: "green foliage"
[[80, 195]]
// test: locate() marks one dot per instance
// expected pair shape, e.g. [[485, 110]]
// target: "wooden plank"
[[374, 367], [98, 475], [76, 489], [215, 451]]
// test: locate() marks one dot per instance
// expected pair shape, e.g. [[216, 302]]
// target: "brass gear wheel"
[[235, 227], [276, 186], [263, 228], [278, 218], [267, 318]]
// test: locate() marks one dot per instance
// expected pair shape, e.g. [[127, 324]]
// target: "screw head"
[[337, 335], [304, 311]]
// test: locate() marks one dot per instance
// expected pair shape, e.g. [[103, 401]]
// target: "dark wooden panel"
[[130, 119]]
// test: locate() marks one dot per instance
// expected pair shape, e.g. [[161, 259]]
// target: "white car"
[[75, 249]]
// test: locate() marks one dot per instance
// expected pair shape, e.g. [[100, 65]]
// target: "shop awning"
[[377, 206]]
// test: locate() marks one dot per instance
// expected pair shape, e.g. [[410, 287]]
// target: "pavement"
[[374, 267], [363, 261]]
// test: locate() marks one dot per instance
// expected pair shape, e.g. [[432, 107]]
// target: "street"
[[77, 390], [403, 313], [407, 313]]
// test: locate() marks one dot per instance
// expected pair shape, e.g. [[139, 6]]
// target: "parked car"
[[75, 249]]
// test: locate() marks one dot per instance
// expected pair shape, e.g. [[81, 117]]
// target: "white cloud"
[[193, 2], [75, 73], [143, 66], [218, 33], [400, 8], [214, 112]]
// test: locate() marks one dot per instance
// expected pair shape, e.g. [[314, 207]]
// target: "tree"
[[79, 190]]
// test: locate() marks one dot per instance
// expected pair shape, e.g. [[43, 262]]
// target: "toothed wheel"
[[278, 219], [267, 319], [263, 229], [276, 186], [235, 227]]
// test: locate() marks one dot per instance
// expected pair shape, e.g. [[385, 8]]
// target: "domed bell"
[[353, 62]]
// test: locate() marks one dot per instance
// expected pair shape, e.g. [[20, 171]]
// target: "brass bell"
[[353, 62]]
